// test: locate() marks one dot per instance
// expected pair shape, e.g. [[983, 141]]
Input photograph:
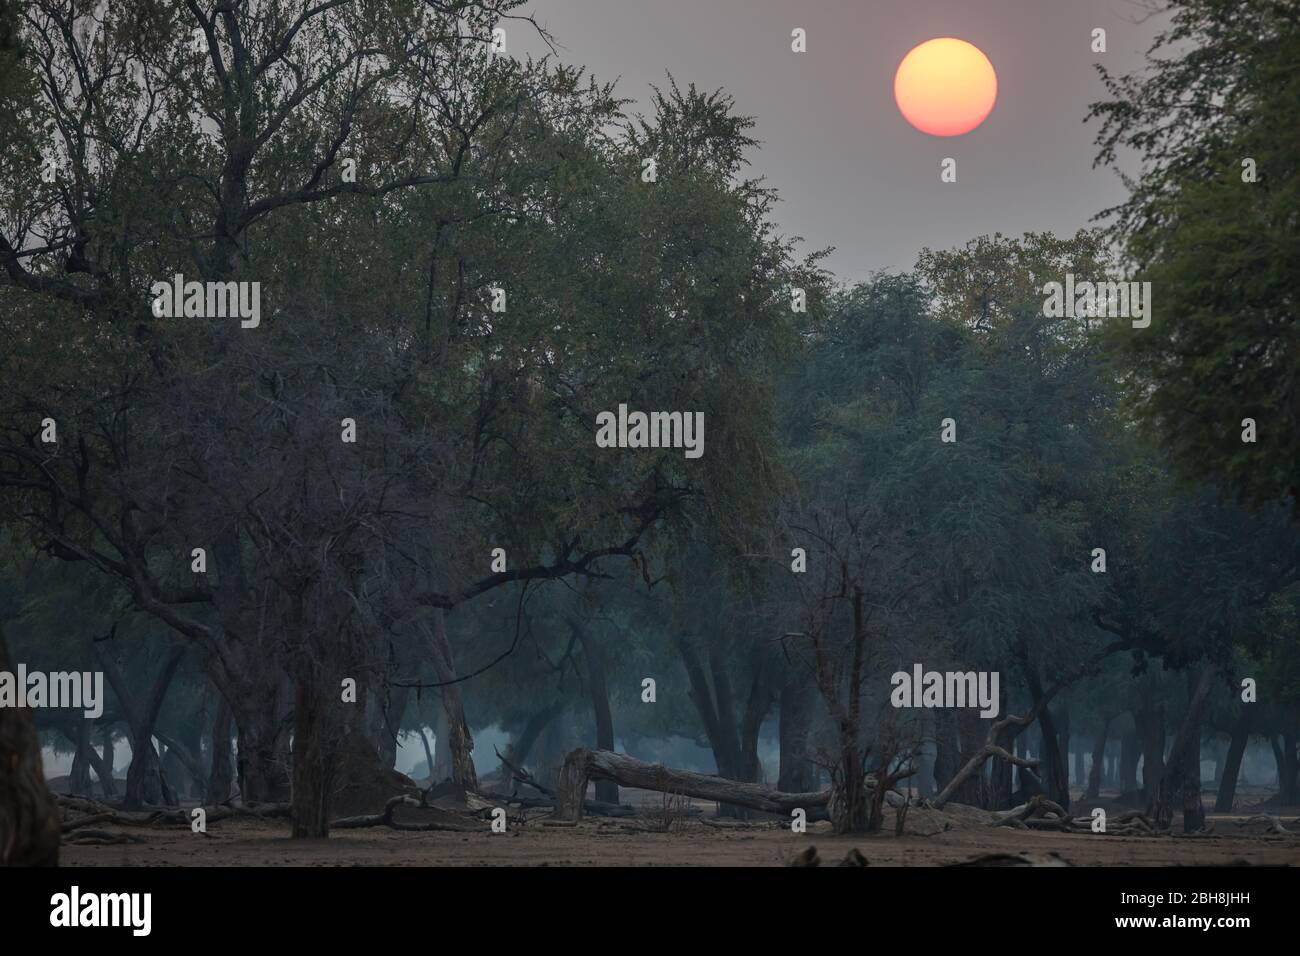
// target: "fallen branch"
[[385, 819], [991, 748], [99, 838], [598, 808]]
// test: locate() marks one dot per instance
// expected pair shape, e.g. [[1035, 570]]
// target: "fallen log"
[[582, 766], [596, 808], [385, 819], [1274, 823], [99, 838]]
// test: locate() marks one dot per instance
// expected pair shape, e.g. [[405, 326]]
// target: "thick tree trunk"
[[797, 773], [1289, 791], [103, 766], [261, 764], [314, 749], [1150, 723], [1180, 784], [145, 783], [553, 744], [716, 716], [850, 806], [440, 771], [583, 765], [594, 651], [1227, 793], [757, 705], [221, 772], [1001, 785], [29, 817], [972, 732], [391, 705], [946, 762], [1054, 773], [459, 742], [1097, 772]]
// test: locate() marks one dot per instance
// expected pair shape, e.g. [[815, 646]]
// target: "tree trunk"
[[1130, 752], [1227, 794], [1063, 745], [757, 705], [797, 773], [1097, 772], [79, 775], [220, 774], [145, 783], [584, 765], [261, 763], [971, 737], [1053, 767], [1290, 772], [110, 758], [717, 717], [598, 689], [459, 742], [103, 766], [428, 754], [1180, 784], [1151, 734], [29, 818], [314, 748], [1001, 785], [946, 763], [391, 706], [520, 747], [440, 770]]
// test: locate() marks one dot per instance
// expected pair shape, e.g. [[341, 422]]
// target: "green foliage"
[[1221, 253]]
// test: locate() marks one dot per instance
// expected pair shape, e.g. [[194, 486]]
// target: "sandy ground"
[[933, 840]]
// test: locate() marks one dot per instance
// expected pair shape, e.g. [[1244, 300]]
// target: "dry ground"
[[933, 839]]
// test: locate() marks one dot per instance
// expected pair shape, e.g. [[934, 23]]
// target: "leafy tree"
[[1210, 222]]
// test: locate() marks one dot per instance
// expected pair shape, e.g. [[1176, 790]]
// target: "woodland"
[[379, 522]]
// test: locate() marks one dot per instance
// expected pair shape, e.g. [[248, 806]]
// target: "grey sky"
[[851, 172]]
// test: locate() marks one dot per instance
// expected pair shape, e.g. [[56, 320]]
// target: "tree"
[[1215, 120], [211, 468]]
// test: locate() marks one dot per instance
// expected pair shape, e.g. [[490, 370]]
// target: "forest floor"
[[655, 838]]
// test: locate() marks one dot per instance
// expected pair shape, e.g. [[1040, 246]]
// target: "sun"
[[945, 87]]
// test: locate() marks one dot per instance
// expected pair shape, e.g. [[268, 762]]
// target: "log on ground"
[[583, 766]]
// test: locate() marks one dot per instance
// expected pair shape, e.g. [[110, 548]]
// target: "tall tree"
[[1215, 121]]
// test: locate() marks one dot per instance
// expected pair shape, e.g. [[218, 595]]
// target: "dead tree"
[[991, 747], [583, 766]]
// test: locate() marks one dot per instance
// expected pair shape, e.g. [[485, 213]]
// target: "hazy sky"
[[851, 172]]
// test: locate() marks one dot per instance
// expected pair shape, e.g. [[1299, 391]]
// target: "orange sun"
[[945, 87]]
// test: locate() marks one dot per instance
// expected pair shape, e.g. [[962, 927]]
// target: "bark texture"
[[29, 817]]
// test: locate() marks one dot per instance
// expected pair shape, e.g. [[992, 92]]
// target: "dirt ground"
[[933, 839]]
